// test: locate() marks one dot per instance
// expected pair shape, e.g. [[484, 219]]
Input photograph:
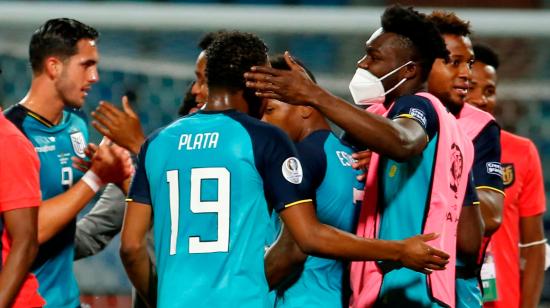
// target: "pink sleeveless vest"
[[472, 120], [452, 166]]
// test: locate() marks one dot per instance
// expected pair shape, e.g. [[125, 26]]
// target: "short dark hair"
[[418, 32], [231, 55], [449, 23], [208, 38], [57, 37], [485, 54], [278, 61]]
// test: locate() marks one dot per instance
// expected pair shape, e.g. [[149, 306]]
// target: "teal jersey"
[[405, 188], [328, 176], [209, 178], [55, 144]]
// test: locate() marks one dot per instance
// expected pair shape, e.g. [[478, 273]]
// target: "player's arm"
[[532, 276], [110, 164], [315, 238], [402, 139], [21, 227], [137, 222], [488, 179], [470, 227], [97, 228], [283, 259], [532, 205], [133, 249], [19, 198]]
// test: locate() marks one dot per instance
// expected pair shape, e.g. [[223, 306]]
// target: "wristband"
[[92, 180], [543, 241]]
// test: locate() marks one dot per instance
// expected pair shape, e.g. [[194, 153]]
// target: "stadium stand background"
[[154, 66]]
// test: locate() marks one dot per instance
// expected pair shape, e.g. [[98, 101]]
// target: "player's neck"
[[311, 126], [43, 100], [224, 100]]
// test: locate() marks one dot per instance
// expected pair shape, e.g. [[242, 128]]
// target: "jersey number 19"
[[220, 207]]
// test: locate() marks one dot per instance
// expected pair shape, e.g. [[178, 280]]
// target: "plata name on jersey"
[[198, 141]]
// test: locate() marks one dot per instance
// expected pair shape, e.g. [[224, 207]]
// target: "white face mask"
[[367, 89]]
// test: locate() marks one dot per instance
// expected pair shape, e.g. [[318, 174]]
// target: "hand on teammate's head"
[[121, 126], [292, 86]]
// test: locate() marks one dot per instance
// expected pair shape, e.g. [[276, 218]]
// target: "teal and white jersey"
[[328, 176], [209, 178], [55, 144]]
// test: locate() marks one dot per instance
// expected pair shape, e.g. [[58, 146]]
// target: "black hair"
[[230, 56], [449, 23], [57, 37], [418, 32], [208, 38], [278, 61], [485, 54]]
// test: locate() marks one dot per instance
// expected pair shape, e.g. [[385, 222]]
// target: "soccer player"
[[449, 82], [63, 57], [406, 130], [19, 201], [524, 203], [211, 179], [328, 175]]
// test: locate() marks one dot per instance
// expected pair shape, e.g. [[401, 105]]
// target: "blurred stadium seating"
[[154, 66]]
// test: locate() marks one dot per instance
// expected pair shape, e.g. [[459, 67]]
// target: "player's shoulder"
[[258, 129]]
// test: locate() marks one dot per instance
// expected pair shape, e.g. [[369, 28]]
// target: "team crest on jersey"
[[457, 166], [508, 175], [292, 170], [79, 144]]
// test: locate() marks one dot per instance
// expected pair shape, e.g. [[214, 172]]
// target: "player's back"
[[210, 213]]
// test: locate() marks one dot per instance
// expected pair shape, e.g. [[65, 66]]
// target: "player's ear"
[[305, 111], [52, 67]]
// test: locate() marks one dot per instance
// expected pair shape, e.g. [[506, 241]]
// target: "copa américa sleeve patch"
[[292, 170]]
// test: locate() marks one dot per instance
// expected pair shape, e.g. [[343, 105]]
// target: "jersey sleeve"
[[20, 174], [418, 109], [532, 200], [470, 198], [314, 164], [487, 168], [281, 170], [140, 189]]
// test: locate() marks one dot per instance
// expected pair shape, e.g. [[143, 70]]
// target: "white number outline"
[[221, 206]]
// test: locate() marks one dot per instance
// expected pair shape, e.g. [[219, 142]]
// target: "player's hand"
[[85, 164], [112, 163], [121, 126], [421, 257], [362, 161], [292, 87]]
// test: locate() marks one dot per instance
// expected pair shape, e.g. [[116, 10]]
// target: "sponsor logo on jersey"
[[79, 144], [494, 168], [292, 170], [419, 116], [508, 175]]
